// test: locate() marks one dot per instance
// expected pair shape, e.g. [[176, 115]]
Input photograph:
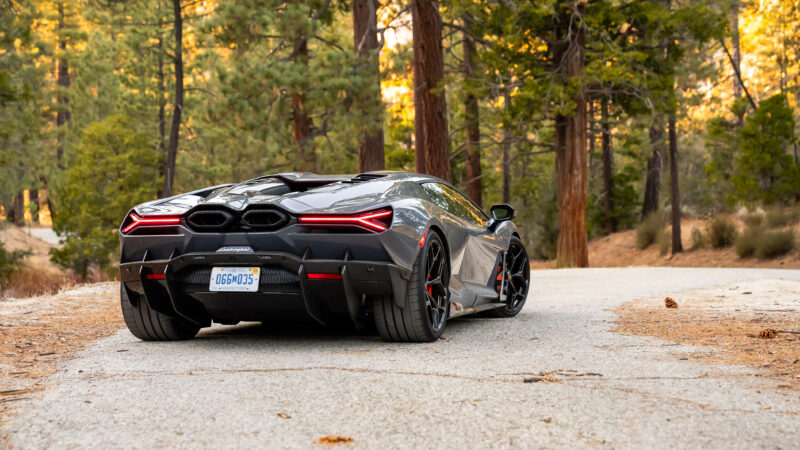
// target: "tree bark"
[[419, 131], [432, 95], [19, 209], [590, 138], [655, 166], [570, 142], [675, 198], [608, 169], [175, 128], [472, 125], [505, 144], [63, 82], [302, 123], [162, 104], [737, 55], [365, 37]]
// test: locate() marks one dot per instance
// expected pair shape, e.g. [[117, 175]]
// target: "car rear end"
[[261, 262]]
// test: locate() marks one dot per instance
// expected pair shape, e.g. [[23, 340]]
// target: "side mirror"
[[502, 212]]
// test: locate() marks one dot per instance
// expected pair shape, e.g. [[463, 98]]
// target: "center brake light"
[[378, 220], [137, 221]]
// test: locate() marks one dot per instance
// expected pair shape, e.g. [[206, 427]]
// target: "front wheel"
[[516, 279], [425, 313]]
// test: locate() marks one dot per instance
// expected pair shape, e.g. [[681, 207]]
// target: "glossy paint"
[[474, 250]]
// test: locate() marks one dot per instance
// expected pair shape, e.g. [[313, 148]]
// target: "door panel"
[[473, 247]]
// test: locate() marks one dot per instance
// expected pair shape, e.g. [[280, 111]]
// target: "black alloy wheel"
[[516, 279], [437, 276]]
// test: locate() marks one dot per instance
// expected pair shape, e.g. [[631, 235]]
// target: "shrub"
[[649, 230], [747, 242], [778, 218], [664, 242], [114, 168], [721, 232], [698, 238], [753, 220], [775, 243], [10, 263]]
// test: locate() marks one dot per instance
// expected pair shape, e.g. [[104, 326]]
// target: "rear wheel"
[[425, 313], [149, 325], [516, 280]]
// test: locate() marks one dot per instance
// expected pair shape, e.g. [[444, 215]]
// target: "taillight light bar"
[[373, 220], [137, 221]]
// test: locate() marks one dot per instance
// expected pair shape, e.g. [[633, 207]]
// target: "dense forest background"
[[587, 115]]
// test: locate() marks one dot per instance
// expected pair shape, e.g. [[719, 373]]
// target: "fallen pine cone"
[[670, 303], [334, 440], [767, 333]]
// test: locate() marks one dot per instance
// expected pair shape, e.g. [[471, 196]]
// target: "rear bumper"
[[178, 286]]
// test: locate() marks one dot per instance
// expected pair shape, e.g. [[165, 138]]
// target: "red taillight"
[[324, 276], [137, 221], [373, 220], [155, 276]]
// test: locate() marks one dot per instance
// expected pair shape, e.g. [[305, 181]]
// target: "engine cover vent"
[[265, 219]]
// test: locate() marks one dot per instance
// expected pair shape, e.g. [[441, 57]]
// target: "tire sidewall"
[[422, 278], [515, 311]]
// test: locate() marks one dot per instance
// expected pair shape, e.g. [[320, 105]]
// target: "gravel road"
[[231, 386]]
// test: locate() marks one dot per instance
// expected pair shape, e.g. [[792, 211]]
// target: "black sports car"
[[404, 250]]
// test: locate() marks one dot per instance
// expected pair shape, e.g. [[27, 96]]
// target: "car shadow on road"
[[309, 332]]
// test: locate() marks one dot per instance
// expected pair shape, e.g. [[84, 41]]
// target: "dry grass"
[[31, 282], [734, 333], [39, 333], [619, 250], [38, 275]]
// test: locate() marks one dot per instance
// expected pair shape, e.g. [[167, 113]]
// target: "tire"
[[518, 269], [419, 320], [149, 325]]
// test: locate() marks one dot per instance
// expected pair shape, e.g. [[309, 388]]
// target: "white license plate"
[[234, 279]]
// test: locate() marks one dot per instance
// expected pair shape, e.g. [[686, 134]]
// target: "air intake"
[[362, 177], [210, 220], [267, 220]]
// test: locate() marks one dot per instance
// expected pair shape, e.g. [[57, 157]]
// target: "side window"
[[455, 203]]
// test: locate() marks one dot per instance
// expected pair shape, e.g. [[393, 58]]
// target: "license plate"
[[234, 279]]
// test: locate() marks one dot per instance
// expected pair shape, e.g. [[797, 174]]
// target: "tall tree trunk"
[[505, 144], [570, 142], [419, 130], [175, 128], [432, 95], [608, 169], [674, 193], [472, 124], [365, 37], [737, 54], [162, 89], [590, 134], [63, 82], [33, 199], [307, 158], [655, 166], [19, 209]]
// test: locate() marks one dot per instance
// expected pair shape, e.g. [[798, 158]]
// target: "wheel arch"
[[440, 233]]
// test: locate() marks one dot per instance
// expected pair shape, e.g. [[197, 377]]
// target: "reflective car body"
[[324, 246]]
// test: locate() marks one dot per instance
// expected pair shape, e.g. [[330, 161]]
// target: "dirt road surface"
[[250, 386]]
